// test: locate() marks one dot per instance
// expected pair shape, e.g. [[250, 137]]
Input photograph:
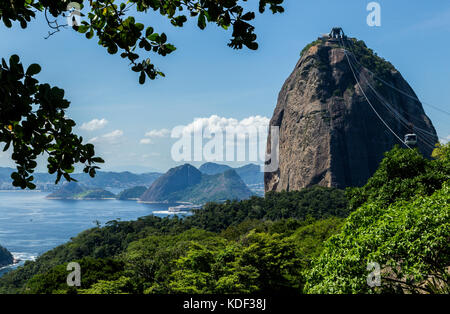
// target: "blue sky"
[[204, 77]]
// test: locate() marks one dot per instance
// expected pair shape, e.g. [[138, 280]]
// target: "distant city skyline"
[[130, 124]]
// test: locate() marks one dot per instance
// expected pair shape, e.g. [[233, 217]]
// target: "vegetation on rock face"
[[369, 59], [306, 48]]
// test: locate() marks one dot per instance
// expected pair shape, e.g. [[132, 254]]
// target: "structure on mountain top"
[[337, 32]]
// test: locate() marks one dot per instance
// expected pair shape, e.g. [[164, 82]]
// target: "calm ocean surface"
[[30, 224]]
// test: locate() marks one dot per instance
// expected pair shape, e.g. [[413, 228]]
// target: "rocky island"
[[76, 191], [6, 257]]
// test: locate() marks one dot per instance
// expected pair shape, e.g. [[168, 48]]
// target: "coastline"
[[81, 199], [16, 261]]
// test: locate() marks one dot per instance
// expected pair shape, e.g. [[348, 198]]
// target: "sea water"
[[30, 224]]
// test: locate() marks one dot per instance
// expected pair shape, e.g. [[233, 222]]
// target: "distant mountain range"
[[188, 184], [103, 180], [181, 184], [116, 181]]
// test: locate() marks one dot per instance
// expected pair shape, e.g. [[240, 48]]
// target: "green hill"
[[251, 174], [187, 184], [132, 193], [76, 191]]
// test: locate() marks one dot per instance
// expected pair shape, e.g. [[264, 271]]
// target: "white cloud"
[[145, 141], [445, 140], [222, 139], [110, 138], [95, 124], [215, 123], [158, 133]]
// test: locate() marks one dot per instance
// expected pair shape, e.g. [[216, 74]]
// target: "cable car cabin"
[[410, 139]]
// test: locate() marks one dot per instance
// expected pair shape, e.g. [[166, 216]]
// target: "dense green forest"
[[318, 240]]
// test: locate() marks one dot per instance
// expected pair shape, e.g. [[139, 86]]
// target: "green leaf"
[[201, 21], [33, 69], [83, 28], [142, 78], [153, 37], [148, 32]]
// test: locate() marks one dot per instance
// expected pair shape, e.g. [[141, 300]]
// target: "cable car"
[[411, 139]]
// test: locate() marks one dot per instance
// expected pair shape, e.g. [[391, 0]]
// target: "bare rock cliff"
[[329, 135]]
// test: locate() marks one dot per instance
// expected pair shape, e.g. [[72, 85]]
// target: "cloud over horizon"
[[95, 124], [445, 140], [109, 138], [215, 124], [154, 134]]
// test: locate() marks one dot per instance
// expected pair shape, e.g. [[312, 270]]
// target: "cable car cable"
[[397, 89], [368, 101]]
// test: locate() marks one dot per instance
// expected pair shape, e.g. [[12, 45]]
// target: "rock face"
[[329, 135], [6, 257]]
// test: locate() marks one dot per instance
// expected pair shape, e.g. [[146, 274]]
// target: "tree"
[[402, 174], [32, 115], [408, 240], [403, 225]]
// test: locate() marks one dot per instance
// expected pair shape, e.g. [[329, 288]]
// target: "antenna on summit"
[[337, 33]]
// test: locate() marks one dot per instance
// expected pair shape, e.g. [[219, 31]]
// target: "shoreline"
[[80, 199], [15, 262]]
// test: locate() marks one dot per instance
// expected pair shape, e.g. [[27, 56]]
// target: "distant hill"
[[132, 193], [212, 168], [103, 180], [175, 180], [6, 257], [251, 174], [76, 191], [187, 184]]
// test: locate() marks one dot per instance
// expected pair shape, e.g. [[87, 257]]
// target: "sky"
[[206, 81]]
